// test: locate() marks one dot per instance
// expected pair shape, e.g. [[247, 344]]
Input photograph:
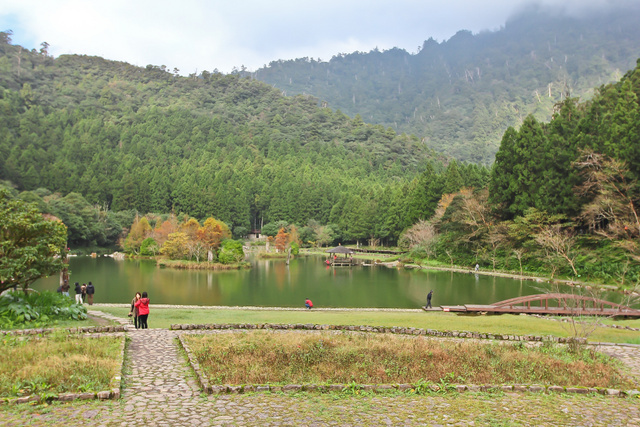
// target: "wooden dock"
[[344, 262], [552, 304]]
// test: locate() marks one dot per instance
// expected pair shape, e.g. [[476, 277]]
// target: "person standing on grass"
[[134, 310], [429, 295], [78, 290], [90, 291], [143, 310]]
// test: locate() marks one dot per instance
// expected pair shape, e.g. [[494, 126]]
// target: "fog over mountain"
[[196, 35]]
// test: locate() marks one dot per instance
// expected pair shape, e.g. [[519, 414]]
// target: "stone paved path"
[[628, 355], [160, 389], [160, 382]]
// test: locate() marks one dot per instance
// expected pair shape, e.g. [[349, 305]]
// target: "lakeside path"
[[160, 389]]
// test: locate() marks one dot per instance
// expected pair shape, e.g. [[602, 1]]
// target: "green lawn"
[[504, 324]]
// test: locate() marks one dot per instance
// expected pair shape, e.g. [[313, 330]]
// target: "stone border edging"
[[82, 330], [381, 388], [112, 393], [377, 329], [193, 362]]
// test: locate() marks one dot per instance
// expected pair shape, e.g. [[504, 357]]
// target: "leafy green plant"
[[38, 309]]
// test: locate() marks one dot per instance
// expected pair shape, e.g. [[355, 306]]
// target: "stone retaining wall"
[[112, 393], [376, 388]]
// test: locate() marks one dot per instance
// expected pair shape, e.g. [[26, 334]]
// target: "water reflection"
[[273, 283]]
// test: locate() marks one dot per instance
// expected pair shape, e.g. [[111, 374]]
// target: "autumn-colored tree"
[[190, 227], [162, 230], [140, 230], [421, 235], [613, 210], [443, 204], [282, 239], [559, 243], [212, 233], [176, 246], [293, 235]]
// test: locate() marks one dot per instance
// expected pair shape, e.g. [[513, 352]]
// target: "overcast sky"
[[196, 35]]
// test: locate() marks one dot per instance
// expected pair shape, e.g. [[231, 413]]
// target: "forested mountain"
[[146, 139], [460, 95], [564, 196]]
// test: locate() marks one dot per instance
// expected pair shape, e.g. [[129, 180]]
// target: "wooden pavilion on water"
[[340, 256]]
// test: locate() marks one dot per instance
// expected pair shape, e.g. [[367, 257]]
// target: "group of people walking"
[[140, 310]]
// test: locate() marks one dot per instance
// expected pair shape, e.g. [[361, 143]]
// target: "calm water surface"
[[273, 283]]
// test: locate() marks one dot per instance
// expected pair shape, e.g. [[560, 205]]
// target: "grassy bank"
[[504, 324], [262, 357], [57, 363], [203, 265]]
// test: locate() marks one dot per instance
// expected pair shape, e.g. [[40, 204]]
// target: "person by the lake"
[[477, 267], [143, 310], [90, 291], [84, 292], [78, 290], [429, 295], [134, 310], [308, 303], [65, 288]]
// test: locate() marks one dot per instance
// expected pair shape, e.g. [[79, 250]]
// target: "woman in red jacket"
[[143, 310]]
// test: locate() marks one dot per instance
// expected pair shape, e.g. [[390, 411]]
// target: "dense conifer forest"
[[460, 95], [130, 139]]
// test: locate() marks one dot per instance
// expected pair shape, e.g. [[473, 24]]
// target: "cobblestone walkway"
[[628, 355], [160, 389], [160, 382]]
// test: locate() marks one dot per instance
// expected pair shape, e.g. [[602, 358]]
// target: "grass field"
[[57, 363], [504, 324], [273, 357]]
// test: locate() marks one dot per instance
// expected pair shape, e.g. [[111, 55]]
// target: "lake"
[[271, 283]]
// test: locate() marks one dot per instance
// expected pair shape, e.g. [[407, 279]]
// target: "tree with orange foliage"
[[282, 239], [162, 231], [190, 227], [212, 233]]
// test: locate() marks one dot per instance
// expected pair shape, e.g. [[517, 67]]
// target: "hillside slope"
[[460, 95], [143, 138]]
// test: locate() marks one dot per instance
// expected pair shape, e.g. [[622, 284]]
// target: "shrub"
[[231, 252], [149, 247], [38, 309], [295, 248]]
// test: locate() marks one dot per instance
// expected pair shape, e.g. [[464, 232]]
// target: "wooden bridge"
[[551, 304]]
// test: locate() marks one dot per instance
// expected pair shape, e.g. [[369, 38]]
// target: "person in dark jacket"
[[65, 288], [90, 291], [429, 295], [78, 290]]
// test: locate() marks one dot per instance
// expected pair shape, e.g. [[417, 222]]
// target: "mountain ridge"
[[534, 61]]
